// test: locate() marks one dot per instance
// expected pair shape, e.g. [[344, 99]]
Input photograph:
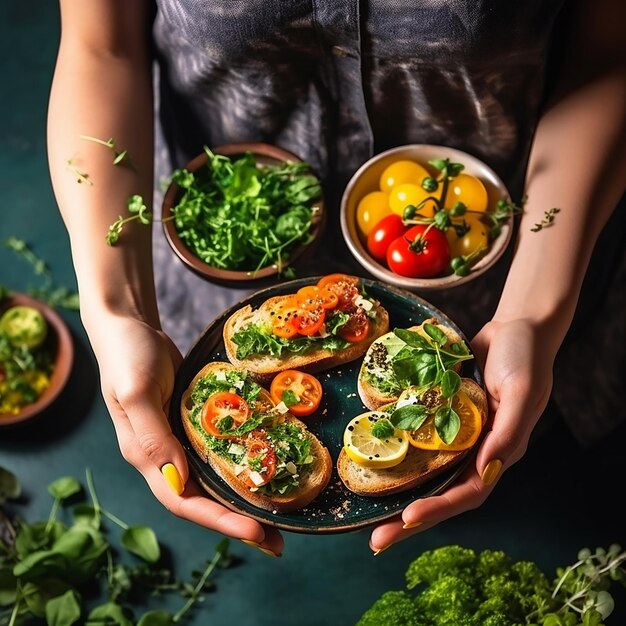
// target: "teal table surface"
[[556, 500]]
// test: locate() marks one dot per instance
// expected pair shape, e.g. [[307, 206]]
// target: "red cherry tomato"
[[306, 388], [346, 288], [419, 253], [220, 406], [383, 233], [356, 328], [260, 458], [308, 321]]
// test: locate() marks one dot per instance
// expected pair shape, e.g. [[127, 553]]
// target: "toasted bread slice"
[[313, 480], [372, 397], [263, 367], [418, 467]]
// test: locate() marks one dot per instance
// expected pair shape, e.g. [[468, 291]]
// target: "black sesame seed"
[[350, 428]]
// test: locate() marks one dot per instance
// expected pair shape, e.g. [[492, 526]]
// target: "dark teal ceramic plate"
[[336, 509]]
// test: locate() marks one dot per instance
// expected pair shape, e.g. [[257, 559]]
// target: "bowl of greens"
[[243, 212], [36, 357]]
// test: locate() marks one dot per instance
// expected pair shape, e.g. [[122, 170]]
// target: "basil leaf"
[[409, 416], [412, 338], [447, 424], [109, 614], [289, 397], [420, 368], [436, 334], [450, 383], [382, 429]]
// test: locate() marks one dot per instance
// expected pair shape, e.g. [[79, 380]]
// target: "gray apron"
[[336, 82]]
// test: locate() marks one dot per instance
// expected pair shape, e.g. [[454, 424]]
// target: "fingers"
[[195, 507], [469, 493]]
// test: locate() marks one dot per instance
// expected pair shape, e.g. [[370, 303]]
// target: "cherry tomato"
[[469, 190], [356, 328], [281, 315], [403, 171], [476, 237], [410, 193], [346, 288], [371, 208], [308, 321], [313, 296], [306, 388], [381, 236], [432, 259], [262, 454], [220, 406]]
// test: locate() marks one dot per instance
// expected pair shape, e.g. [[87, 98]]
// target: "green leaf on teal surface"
[[156, 618], [64, 488], [142, 541], [63, 610], [10, 487], [109, 614]]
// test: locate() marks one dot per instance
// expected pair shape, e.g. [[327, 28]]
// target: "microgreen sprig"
[[138, 211], [120, 157], [548, 220]]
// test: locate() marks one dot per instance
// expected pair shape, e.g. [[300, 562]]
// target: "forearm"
[[578, 164], [104, 94]]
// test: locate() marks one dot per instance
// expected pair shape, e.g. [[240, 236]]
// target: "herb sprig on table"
[[48, 568], [458, 586]]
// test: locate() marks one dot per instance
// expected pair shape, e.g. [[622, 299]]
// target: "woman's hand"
[[518, 376], [137, 366]]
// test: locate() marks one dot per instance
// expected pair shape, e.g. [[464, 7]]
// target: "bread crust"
[[264, 367], [312, 484], [372, 397], [418, 467]]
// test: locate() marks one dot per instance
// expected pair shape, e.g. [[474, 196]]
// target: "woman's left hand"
[[518, 378]]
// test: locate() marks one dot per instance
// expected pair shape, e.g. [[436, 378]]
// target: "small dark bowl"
[[58, 343], [266, 155]]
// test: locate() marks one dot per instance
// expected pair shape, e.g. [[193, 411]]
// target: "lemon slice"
[[367, 450], [426, 437]]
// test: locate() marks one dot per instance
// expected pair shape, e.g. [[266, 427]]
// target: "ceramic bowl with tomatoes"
[[421, 217]]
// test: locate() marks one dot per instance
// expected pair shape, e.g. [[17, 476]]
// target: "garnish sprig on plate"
[[425, 363]]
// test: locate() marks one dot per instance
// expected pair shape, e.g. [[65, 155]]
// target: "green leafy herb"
[[548, 220], [409, 417], [235, 215], [456, 585], [383, 428], [289, 397], [47, 567]]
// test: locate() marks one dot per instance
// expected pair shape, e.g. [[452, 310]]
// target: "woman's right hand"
[[137, 366]]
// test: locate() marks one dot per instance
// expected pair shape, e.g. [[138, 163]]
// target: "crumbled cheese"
[[235, 448], [282, 444], [410, 399], [238, 469], [220, 376], [256, 478], [238, 384], [366, 305], [281, 407]]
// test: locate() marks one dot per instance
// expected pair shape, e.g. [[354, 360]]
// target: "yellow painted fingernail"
[[261, 548], [173, 478], [411, 525], [377, 552], [491, 471]]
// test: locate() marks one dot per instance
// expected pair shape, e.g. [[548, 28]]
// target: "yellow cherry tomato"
[[400, 172], [408, 193], [476, 237], [469, 190], [371, 209]]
